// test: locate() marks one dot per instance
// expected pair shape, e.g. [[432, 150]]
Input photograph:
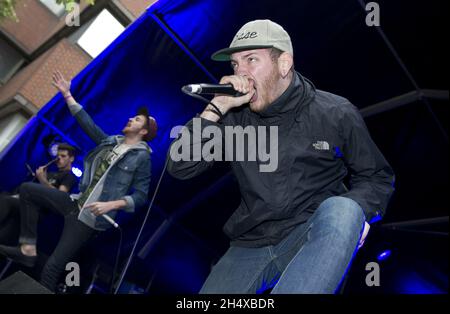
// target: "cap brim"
[[224, 54]]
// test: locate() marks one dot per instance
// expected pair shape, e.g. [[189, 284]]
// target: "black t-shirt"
[[66, 178]]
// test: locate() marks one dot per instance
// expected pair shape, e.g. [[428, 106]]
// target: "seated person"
[[63, 180]]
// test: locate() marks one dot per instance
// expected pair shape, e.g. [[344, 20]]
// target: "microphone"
[[111, 221], [208, 89], [51, 162], [30, 170], [107, 218]]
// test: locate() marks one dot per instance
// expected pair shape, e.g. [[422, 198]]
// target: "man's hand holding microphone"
[[224, 103]]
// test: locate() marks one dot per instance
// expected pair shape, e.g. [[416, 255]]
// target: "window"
[[9, 127], [98, 34], [10, 61], [57, 9]]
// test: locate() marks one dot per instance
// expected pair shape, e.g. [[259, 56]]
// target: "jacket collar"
[[119, 139], [299, 92]]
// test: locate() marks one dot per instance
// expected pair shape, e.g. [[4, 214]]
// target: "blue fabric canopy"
[[141, 67]]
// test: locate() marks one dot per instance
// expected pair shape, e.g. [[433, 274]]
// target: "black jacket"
[[322, 137]]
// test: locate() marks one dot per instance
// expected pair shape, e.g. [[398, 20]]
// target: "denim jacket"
[[128, 179]]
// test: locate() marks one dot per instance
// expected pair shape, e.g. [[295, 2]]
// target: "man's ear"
[[143, 131], [72, 159], [285, 63]]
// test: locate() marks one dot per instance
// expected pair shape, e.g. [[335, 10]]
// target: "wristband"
[[217, 110]]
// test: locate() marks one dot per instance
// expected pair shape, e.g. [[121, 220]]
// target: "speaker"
[[21, 283]]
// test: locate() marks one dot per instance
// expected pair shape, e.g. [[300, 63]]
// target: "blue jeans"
[[313, 258]]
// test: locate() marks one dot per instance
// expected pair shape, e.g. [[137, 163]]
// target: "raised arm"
[[82, 117]]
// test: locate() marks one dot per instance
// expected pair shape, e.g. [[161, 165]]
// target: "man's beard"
[[125, 130], [269, 83]]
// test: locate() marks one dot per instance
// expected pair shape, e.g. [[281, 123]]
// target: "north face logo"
[[246, 35], [321, 145]]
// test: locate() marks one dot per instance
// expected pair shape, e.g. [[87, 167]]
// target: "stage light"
[[77, 172], [51, 143], [384, 255], [53, 149]]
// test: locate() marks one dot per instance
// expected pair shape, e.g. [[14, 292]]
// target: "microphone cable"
[[116, 263], [184, 90], [206, 100], [130, 257]]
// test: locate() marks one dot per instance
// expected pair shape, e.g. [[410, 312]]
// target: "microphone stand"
[[130, 257]]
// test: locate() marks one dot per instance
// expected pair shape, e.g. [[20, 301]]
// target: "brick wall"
[[36, 25], [65, 57], [136, 7], [34, 81]]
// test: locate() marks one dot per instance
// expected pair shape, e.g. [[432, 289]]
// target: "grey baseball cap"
[[254, 35]]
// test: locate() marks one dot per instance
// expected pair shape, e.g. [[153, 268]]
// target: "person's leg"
[[321, 262], [33, 198], [240, 270], [9, 219], [75, 234], [254, 270]]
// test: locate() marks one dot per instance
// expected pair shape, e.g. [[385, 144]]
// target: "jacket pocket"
[[124, 172]]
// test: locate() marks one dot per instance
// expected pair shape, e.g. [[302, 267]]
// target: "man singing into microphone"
[[117, 166], [297, 227]]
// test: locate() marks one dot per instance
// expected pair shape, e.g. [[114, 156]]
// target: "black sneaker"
[[15, 253]]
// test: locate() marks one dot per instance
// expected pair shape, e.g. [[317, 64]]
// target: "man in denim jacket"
[[117, 166]]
